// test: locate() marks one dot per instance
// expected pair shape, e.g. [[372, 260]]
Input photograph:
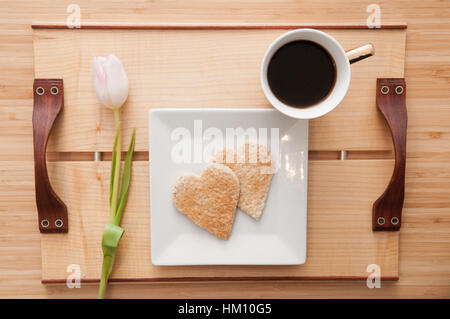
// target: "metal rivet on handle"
[[394, 220], [385, 89], [58, 223], [399, 89], [40, 90], [54, 90], [381, 220], [45, 223]]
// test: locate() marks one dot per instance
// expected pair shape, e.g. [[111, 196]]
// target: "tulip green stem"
[[115, 190], [112, 231]]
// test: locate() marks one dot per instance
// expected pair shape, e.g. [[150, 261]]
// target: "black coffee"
[[301, 73]]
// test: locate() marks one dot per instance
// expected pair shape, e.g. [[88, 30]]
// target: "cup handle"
[[358, 54]]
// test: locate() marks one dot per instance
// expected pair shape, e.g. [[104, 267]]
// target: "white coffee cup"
[[342, 61]]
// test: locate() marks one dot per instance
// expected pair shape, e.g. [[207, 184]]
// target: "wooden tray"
[[212, 66]]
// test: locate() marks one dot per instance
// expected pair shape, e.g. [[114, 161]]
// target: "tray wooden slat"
[[341, 243], [202, 68]]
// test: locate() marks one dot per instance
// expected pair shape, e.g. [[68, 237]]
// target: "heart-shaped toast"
[[254, 166], [210, 199]]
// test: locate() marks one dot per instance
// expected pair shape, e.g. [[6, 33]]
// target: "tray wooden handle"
[[48, 103], [387, 209]]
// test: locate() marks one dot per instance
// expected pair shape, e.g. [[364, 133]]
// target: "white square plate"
[[278, 238]]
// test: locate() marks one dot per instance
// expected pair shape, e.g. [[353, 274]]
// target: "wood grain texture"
[[423, 272], [340, 241], [215, 68], [203, 68], [48, 103], [424, 265]]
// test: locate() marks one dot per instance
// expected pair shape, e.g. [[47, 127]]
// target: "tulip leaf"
[[126, 177], [110, 241], [113, 167]]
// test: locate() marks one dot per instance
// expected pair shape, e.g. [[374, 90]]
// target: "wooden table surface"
[[424, 266]]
